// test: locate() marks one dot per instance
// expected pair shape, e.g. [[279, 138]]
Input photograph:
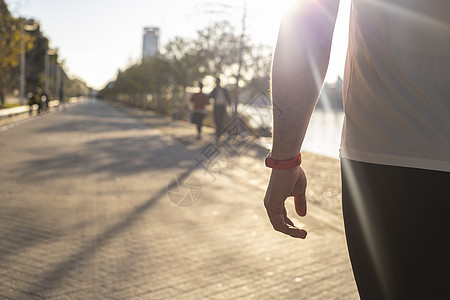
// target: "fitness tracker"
[[283, 164]]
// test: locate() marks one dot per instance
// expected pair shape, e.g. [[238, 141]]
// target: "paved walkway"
[[87, 211]]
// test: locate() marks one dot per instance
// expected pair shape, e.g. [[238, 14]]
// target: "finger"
[[286, 219], [279, 224], [300, 204]]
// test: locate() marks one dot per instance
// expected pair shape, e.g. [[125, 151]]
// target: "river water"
[[323, 135]]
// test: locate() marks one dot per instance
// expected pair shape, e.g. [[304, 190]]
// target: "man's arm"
[[299, 66], [213, 94]]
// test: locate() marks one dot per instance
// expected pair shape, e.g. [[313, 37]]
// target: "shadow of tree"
[[99, 158], [52, 278], [112, 157]]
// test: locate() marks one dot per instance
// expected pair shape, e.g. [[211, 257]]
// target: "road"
[[90, 209]]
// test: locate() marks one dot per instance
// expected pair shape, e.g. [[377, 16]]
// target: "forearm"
[[299, 67]]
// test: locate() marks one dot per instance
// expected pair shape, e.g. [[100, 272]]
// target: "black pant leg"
[[397, 223]]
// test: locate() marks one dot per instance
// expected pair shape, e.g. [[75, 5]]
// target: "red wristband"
[[283, 164]]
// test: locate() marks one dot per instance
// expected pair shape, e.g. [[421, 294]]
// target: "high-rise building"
[[150, 43]]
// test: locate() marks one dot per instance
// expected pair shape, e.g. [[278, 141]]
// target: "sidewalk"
[[88, 211], [324, 180]]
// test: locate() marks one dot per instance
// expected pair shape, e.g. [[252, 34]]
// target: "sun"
[[264, 25], [283, 7], [279, 9]]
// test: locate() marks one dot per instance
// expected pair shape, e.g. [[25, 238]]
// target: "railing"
[[15, 111]]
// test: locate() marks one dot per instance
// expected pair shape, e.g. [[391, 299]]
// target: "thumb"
[[300, 204]]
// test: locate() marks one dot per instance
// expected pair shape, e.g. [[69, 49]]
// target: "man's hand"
[[285, 183], [300, 63]]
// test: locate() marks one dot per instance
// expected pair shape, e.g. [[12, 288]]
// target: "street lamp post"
[[30, 25], [58, 82], [47, 69], [22, 72]]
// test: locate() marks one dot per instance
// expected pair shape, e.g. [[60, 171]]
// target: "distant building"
[[150, 44]]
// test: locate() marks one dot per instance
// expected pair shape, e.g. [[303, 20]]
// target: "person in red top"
[[199, 100]]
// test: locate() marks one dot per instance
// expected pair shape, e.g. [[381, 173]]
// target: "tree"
[[134, 84], [157, 73], [216, 51], [74, 87], [185, 66], [12, 42], [35, 58], [217, 46], [226, 53]]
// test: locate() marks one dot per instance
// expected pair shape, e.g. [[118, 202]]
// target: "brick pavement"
[[85, 214]]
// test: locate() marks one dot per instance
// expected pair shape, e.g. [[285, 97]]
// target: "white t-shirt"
[[220, 97], [397, 84]]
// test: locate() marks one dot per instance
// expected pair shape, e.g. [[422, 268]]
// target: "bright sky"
[[95, 38]]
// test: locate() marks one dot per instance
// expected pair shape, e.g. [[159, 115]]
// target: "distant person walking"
[[221, 100], [44, 102], [199, 100], [34, 99]]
